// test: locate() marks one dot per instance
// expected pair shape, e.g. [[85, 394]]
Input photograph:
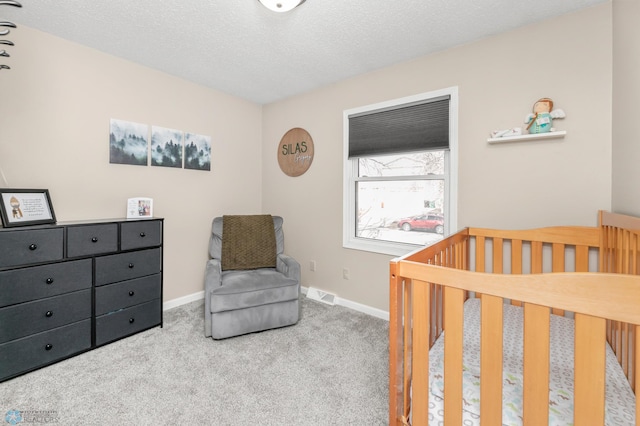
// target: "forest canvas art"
[[166, 147], [128, 143], [197, 152]]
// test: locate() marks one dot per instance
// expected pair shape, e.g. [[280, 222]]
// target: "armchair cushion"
[[245, 289]]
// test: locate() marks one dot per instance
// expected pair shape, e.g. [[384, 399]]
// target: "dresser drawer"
[[22, 285], [33, 317], [40, 349], [140, 234], [127, 321], [126, 266], [92, 239], [22, 247], [114, 297]]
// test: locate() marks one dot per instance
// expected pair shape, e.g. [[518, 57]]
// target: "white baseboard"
[[375, 312], [174, 303]]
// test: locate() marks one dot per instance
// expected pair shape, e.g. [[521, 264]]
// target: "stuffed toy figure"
[[541, 119]]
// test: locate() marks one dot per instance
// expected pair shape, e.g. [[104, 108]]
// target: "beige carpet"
[[329, 369]]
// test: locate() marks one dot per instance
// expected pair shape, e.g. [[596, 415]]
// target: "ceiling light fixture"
[[281, 5]]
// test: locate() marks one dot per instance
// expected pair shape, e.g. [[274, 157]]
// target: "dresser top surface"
[[79, 222]]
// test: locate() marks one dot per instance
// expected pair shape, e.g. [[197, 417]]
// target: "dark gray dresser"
[[71, 287]]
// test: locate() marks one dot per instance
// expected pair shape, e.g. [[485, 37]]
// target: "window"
[[400, 173]]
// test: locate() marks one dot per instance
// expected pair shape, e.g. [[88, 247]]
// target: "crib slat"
[[582, 259], [636, 383], [480, 255], [589, 370], [491, 360], [407, 348], [516, 256], [624, 362], [436, 313], [497, 255], [420, 384], [453, 319], [395, 344], [536, 257], [557, 265], [557, 260], [634, 254], [536, 365], [619, 244], [516, 263], [634, 363]]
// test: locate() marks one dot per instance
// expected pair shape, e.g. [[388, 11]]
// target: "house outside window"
[[400, 173]]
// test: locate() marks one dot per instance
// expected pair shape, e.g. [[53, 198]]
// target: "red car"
[[427, 222]]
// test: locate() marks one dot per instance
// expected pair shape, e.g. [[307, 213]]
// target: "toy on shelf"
[[541, 119]]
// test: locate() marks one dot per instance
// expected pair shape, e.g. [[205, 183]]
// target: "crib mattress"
[[620, 400]]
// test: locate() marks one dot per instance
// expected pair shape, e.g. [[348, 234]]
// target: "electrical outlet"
[[345, 273], [312, 265]]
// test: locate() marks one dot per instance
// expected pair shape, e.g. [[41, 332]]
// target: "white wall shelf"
[[528, 137]]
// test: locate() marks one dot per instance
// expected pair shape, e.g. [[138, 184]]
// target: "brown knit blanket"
[[248, 242]]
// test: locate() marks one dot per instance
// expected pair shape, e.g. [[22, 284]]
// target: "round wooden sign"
[[295, 152]]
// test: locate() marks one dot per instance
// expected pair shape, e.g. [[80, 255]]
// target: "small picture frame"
[[24, 207], [139, 207]]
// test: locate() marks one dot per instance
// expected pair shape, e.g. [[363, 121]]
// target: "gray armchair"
[[245, 293]]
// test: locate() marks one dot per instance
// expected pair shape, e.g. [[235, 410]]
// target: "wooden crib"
[[586, 273]]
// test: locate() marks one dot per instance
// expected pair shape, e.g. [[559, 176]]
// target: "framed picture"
[[22, 207], [139, 207]]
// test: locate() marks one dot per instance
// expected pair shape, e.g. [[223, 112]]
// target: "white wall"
[[626, 109], [56, 103], [553, 182], [58, 98]]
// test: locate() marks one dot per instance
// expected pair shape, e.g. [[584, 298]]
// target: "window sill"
[[380, 247]]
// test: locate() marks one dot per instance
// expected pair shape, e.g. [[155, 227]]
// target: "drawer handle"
[[48, 346], [94, 239], [32, 247], [131, 293], [49, 280], [131, 320], [131, 266], [48, 314], [142, 235]]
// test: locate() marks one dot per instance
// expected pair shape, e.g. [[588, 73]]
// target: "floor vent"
[[321, 296]]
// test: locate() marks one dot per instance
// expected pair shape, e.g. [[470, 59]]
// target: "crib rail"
[[451, 252], [620, 253], [535, 251], [429, 286], [566, 291]]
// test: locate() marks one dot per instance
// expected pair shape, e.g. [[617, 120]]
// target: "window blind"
[[415, 127]]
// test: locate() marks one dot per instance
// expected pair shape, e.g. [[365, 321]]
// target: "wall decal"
[[295, 152]]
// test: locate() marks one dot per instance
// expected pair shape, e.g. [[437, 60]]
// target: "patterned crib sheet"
[[620, 401]]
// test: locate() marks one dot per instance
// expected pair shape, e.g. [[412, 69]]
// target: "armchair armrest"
[[212, 279], [288, 266], [212, 275]]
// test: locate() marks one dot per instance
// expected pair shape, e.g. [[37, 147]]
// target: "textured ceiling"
[[241, 48]]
